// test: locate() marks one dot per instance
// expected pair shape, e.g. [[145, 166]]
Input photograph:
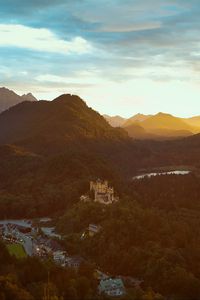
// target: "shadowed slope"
[[63, 120]]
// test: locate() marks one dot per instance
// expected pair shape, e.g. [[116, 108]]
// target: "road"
[[27, 243]]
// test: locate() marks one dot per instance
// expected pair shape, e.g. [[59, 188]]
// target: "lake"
[[149, 175]]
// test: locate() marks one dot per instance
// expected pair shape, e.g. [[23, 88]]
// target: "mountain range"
[[49, 150], [9, 98], [158, 126], [140, 126]]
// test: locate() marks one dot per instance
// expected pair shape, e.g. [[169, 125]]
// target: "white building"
[[59, 257], [73, 262], [112, 287]]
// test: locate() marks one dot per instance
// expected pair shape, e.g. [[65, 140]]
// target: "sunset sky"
[[121, 56]]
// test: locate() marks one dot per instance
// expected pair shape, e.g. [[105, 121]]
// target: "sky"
[[121, 56]]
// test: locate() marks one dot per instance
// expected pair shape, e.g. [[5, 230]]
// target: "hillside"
[[165, 121], [55, 148], [51, 149], [157, 127], [136, 131], [9, 98], [194, 121], [161, 126], [64, 120], [158, 223], [118, 121]]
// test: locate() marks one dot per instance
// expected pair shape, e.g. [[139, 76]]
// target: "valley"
[[99, 150], [51, 151]]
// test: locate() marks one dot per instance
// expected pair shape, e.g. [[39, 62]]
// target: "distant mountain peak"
[[70, 99], [138, 118], [161, 114], [9, 98], [29, 97], [5, 90], [115, 116], [139, 115], [67, 97], [115, 121]]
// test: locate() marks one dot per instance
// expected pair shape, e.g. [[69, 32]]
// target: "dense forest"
[[48, 154], [27, 279], [54, 148], [32, 279], [152, 234]]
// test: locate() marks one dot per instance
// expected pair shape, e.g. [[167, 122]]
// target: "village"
[[30, 238]]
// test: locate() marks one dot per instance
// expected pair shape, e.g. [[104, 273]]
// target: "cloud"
[[125, 44], [81, 77], [121, 16], [117, 27], [40, 39]]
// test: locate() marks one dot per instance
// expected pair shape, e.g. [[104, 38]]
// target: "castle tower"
[[102, 192]]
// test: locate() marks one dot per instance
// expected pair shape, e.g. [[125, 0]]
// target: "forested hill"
[[51, 149], [68, 125], [66, 118]]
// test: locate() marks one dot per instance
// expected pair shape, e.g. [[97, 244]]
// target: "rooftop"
[[110, 283]]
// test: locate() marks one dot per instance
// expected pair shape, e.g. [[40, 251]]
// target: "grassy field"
[[17, 250]]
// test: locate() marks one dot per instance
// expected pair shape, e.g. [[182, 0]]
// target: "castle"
[[102, 192]]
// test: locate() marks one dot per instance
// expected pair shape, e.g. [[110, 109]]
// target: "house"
[[53, 245], [48, 245], [59, 256], [93, 229], [112, 287], [102, 192], [73, 262], [40, 250]]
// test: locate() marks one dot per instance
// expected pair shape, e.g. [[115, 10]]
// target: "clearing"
[[17, 250]]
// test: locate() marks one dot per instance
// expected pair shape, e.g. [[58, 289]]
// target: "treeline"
[[171, 193], [32, 184], [152, 234], [49, 150], [31, 279]]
